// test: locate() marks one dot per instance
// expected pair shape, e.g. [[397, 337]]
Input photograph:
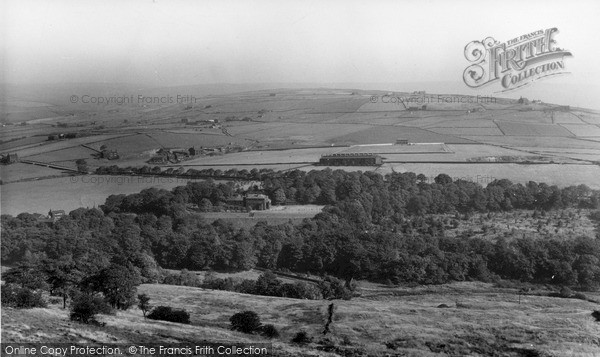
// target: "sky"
[[168, 43]]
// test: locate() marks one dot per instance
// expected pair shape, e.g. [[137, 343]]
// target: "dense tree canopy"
[[385, 228]]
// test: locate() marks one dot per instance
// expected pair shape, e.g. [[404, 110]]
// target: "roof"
[[350, 155], [256, 195]]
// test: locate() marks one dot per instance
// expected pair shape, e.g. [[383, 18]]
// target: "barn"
[[351, 159]]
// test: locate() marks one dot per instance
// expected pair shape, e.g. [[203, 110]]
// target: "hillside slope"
[[481, 320]]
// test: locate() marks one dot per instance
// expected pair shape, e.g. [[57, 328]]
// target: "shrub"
[[188, 278], [22, 298], [565, 292], [269, 331], [302, 337], [227, 284], [167, 313], [246, 322], [268, 284], [85, 307], [580, 296], [333, 288], [247, 286]]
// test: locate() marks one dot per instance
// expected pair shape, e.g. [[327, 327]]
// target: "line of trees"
[[383, 228]]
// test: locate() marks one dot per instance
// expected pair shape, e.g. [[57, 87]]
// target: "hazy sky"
[[191, 42]]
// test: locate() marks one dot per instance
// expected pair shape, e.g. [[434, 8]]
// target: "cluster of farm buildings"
[[175, 155]]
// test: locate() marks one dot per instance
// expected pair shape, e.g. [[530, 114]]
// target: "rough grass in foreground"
[[384, 320]]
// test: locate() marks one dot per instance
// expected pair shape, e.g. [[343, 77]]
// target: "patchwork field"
[[466, 131], [65, 156], [531, 129], [185, 140], [297, 132], [307, 123], [583, 130], [535, 141], [389, 134]]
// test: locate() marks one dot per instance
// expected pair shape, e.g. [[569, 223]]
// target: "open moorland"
[[478, 320]]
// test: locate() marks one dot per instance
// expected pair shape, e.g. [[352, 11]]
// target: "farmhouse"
[[109, 154], [251, 201], [10, 158], [56, 214], [351, 159], [258, 202]]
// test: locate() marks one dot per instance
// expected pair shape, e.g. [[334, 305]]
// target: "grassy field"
[[181, 140], [531, 129], [266, 157], [21, 171], [276, 215], [389, 134], [69, 193], [561, 224], [65, 156], [583, 130], [483, 174], [466, 131], [480, 320]]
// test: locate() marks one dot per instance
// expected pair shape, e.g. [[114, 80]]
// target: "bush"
[[269, 331], [85, 307], [334, 288], [247, 286], [246, 322], [267, 284], [22, 298], [565, 292], [580, 296], [227, 284], [302, 337], [167, 313]]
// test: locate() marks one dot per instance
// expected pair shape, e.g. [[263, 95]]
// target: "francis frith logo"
[[514, 63]]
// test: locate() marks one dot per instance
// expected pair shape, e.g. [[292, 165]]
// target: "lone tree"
[[63, 277], [82, 165], [118, 283], [144, 303]]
